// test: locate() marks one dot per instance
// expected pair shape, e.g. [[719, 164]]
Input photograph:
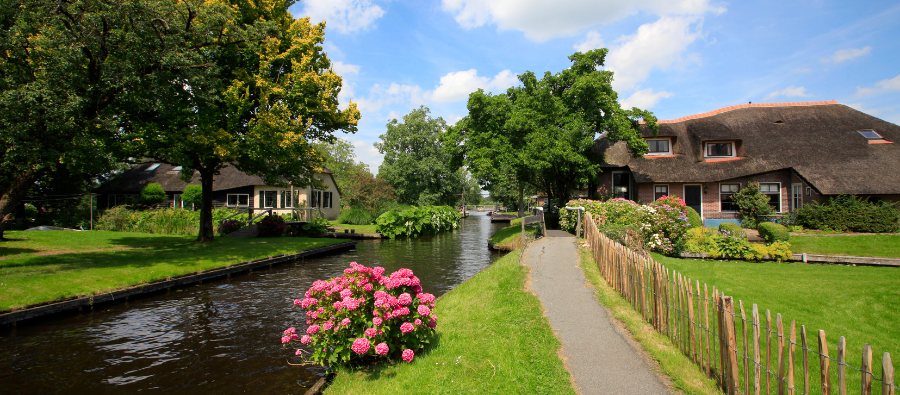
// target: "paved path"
[[600, 359]]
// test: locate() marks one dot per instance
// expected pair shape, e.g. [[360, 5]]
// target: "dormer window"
[[660, 146], [152, 167], [720, 149]]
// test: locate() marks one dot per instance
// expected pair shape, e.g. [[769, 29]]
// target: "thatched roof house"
[[799, 152], [231, 188]]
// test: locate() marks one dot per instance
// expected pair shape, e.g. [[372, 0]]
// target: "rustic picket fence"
[[679, 308]]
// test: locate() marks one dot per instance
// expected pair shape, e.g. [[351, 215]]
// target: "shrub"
[[316, 226], [270, 226], [417, 221], [694, 218], [613, 212], [849, 212], [773, 232], [193, 194], [153, 194], [166, 221], [229, 225], [751, 204], [702, 239], [756, 252], [733, 228], [355, 216], [732, 244], [664, 227], [364, 314], [780, 251]]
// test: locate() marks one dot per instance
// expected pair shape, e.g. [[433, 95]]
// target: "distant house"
[[231, 188], [798, 152]]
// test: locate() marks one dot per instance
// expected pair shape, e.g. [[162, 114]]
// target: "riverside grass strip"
[[622, 265]]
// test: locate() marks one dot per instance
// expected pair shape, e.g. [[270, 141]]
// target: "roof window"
[[870, 134], [177, 168], [152, 167]]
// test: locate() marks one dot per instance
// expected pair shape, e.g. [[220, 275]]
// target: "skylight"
[[869, 134], [177, 168], [152, 167]]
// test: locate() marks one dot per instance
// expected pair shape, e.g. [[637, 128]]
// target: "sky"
[[672, 57]]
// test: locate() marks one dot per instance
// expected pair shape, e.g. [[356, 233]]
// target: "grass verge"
[[885, 246], [492, 338], [685, 376], [38, 267], [510, 237], [358, 228]]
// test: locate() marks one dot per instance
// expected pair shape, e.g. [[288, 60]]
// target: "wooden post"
[[887, 375], [691, 320], [790, 370], [746, 348], [733, 376], [824, 364], [706, 324], [577, 227], [805, 350], [721, 333], [781, 360], [756, 354], [842, 361], [768, 349], [866, 368]]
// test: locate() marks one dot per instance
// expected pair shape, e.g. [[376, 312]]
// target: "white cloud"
[[381, 96], [592, 40], [847, 54], [891, 84], [344, 68], [657, 45], [541, 20], [862, 107], [458, 85], [644, 99], [345, 16], [791, 91]]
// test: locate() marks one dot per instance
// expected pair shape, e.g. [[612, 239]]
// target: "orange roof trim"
[[748, 105], [722, 159]]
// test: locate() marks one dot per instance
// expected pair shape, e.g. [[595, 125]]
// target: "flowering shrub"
[[364, 313], [665, 225], [661, 225], [616, 211], [270, 226], [229, 225]]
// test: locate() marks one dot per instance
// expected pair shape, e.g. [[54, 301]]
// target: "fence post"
[[781, 357], [706, 323], [887, 375], [756, 354], [746, 349], [866, 369], [790, 370], [842, 362], [805, 350], [768, 350], [733, 377], [824, 364]]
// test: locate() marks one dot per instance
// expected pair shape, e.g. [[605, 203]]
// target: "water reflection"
[[220, 337]]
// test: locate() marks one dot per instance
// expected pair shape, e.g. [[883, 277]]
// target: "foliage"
[[694, 218], [340, 158], [510, 237], [153, 194], [850, 213], [732, 244], [660, 225], [541, 133], [732, 227], [365, 191], [316, 226], [229, 225], [751, 204], [780, 251], [415, 163], [773, 232], [365, 314], [270, 226], [192, 194], [417, 221], [355, 216], [168, 221], [703, 239]]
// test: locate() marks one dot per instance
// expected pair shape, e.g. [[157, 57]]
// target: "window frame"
[[668, 142], [706, 149], [730, 193], [656, 193], [237, 200], [779, 208], [263, 195], [327, 197]]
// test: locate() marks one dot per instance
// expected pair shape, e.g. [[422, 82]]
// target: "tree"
[[192, 194], [751, 204], [415, 163], [152, 194], [369, 193], [340, 158], [541, 133], [263, 91]]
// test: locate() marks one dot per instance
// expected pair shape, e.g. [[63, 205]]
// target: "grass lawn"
[[358, 228], [42, 266], [859, 303], [510, 237], [492, 338], [886, 246]]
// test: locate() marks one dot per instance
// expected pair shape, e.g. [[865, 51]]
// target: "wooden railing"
[[739, 361]]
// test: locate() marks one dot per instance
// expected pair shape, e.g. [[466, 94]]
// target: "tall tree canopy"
[[340, 158], [261, 94], [415, 163], [541, 133]]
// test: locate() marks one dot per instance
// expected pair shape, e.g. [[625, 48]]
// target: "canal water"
[[220, 337]]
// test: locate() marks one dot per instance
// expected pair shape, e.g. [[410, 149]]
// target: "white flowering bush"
[[364, 313]]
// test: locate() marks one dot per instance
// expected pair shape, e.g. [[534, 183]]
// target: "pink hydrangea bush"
[[364, 313]]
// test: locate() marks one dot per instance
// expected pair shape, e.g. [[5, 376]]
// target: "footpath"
[[599, 357]]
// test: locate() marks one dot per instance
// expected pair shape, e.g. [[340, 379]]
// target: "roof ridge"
[[748, 105]]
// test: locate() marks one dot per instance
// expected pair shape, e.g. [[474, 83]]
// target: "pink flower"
[[319, 286], [433, 322], [404, 299], [367, 287], [423, 310], [308, 302], [418, 322], [380, 295], [285, 339], [290, 330], [345, 322], [407, 327], [294, 336], [298, 352], [425, 298], [347, 292], [305, 339], [414, 281], [297, 301], [312, 329], [360, 345], [371, 332], [403, 310], [328, 325], [408, 355], [382, 348], [378, 271], [376, 321], [417, 288]]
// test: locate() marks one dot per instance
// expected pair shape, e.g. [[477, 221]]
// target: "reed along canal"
[[218, 337]]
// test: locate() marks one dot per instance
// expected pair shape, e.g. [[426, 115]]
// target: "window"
[[808, 191], [326, 199], [177, 201], [235, 200], [321, 199], [659, 147], [176, 168], [314, 198], [870, 134], [660, 191], [714, 150], [152, 167], [773, 191], [267, 199], [726, 196]]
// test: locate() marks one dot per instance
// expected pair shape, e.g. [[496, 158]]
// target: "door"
[[796, 196], [693, 198], [621, 181]]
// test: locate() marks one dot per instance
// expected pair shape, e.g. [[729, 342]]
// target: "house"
[[231, 188], [798, 152]]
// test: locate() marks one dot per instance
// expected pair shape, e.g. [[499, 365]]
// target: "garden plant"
[[416, 221]]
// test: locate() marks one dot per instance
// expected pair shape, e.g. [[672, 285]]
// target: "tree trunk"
[[521, 200], [13, 196], [207, 233]]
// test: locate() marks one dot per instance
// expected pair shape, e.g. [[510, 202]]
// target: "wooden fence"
[[735, 351]]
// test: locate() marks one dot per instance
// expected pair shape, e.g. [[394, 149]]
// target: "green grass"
[[358, 228], [886, 246], [492, 338], [684, 374], [38, 267], [510, 237], [859, 303]]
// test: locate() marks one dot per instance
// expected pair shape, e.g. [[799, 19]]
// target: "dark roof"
[[818, 140], [135, 179]]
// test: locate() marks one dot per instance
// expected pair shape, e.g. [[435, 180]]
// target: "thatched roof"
[[818, 140], [135, 179]]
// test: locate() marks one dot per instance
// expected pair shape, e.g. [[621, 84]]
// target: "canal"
[[219, 337]]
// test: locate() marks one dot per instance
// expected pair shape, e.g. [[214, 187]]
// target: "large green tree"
[[415, 163], [541, 133], [340, 157], [262, 94]]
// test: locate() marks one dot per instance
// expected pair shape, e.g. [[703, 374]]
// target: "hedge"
[[773, 232], [850, 213]]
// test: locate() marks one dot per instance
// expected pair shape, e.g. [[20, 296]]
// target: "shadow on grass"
[[5, 251]]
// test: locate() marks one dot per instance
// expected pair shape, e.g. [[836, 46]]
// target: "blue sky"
[[672, 57]]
